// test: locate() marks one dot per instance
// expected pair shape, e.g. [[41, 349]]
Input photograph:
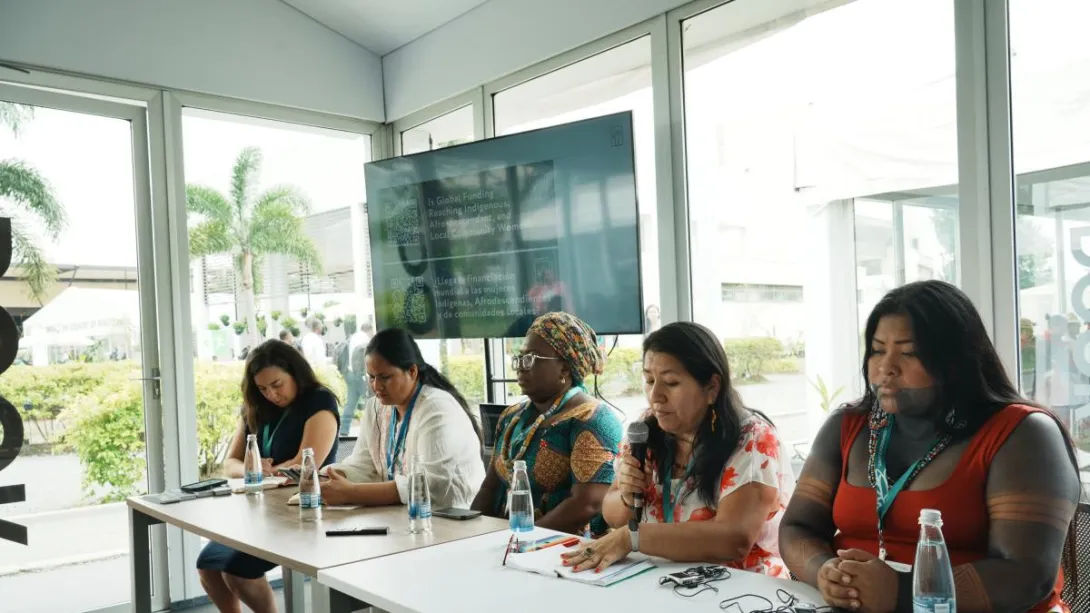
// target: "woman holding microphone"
[[715, 482]]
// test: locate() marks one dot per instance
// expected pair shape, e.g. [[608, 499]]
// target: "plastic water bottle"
[[933, 577], [520, 501], [251, 465], [419, 498], [310, 492]]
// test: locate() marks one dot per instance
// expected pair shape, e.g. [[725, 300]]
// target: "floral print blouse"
[[761, 458]]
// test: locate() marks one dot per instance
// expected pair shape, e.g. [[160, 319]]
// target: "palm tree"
[[249, 225], [32, 195]]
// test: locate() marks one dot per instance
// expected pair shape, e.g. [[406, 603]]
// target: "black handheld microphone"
[[637, 447]]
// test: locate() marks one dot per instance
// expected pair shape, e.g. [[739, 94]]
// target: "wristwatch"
[[634, 534]]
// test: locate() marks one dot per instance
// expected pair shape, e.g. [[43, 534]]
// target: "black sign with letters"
[[10, 419]]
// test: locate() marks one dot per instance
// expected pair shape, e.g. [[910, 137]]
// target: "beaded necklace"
[[881, 425]]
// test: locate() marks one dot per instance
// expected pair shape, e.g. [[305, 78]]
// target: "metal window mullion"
[[985, 169], [668, 93]]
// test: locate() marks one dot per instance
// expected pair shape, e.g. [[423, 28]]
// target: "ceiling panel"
[[383, 25]]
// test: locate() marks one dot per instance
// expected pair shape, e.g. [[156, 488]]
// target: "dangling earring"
[[713, 418]]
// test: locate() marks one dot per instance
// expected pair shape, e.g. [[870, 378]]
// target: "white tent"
[[78, 316]]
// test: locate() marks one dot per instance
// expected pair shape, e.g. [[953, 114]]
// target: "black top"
[[286, 438]]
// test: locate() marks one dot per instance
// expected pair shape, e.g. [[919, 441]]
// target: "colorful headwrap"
[[574, 341]]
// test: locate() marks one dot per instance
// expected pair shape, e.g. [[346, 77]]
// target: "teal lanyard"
[[519, 435], [668, 499], [885, 493], [395, 447], [267, 439]]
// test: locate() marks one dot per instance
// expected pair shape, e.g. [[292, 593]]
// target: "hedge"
[[749, 357], [102, 409], [466, 372]]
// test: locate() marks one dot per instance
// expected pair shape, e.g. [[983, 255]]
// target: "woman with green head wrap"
[[567, 438]]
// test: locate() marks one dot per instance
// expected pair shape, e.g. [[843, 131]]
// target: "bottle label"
[[932, 604], [420, 510], [253, 478], [310, 501]]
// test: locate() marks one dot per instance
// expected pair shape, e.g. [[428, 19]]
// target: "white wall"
[[498, 38], [260, 50]]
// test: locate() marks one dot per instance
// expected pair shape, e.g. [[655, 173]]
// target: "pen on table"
[[508, 550], [568, 542]]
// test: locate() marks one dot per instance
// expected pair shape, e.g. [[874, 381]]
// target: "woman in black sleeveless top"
[[289, 410]]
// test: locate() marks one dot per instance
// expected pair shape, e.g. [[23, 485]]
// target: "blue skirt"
[[233, 562]]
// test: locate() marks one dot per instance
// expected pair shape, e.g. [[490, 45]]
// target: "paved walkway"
[[59, 538], [68, 589]]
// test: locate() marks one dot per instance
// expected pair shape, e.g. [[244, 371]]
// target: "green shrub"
[[107, 430], [103, 411], [219, 401], [467, 374], [785, 365], [749, 356], [42, 393], [623, 373]]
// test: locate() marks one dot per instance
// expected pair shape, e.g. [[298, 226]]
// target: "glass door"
[[74, 181]]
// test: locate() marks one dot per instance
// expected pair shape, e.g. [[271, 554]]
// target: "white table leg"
[[140, 559], [294, 594], [319, 597]]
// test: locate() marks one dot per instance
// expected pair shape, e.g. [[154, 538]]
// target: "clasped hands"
[[858, 581]]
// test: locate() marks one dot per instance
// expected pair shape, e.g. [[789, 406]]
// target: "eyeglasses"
[[526, 361]]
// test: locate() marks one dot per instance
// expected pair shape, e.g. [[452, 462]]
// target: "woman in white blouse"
[[415, 410]]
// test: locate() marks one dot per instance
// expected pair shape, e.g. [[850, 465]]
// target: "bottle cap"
[[520, 464], [251, 437], [307, 451], [931, 517]]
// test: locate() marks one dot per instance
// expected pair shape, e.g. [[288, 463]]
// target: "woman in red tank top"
[[940, 427]]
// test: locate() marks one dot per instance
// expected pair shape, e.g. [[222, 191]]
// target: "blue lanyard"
[[885, 493], [518, 438], [394, 447], [668, 500], [267, 438]]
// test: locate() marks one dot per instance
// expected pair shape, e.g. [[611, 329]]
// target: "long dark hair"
[[952, 344], [699, 352], [950, 339], [256, 408], [398, 347]]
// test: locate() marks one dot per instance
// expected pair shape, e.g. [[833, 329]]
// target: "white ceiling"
[[384, 25]]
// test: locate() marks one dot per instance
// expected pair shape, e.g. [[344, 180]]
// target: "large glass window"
[[453, 128], [613, 81], [461, 360], [66, 181], [1050, 82], [278, 246], [819, 143]]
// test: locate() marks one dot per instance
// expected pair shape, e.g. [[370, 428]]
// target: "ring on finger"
[[588, 552]]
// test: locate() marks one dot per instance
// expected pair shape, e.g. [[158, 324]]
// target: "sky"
[[88, 161]]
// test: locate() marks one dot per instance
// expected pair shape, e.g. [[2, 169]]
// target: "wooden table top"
[[267, 527]]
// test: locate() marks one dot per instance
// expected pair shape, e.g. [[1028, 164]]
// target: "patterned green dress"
[[577, 445]]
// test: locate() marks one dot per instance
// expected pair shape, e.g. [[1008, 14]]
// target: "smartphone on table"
[[203, 486], [457, 514]]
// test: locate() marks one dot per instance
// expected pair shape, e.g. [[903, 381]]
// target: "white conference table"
[[468, 575]]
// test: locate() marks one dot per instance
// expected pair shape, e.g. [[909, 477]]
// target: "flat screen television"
[[477, 240]]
